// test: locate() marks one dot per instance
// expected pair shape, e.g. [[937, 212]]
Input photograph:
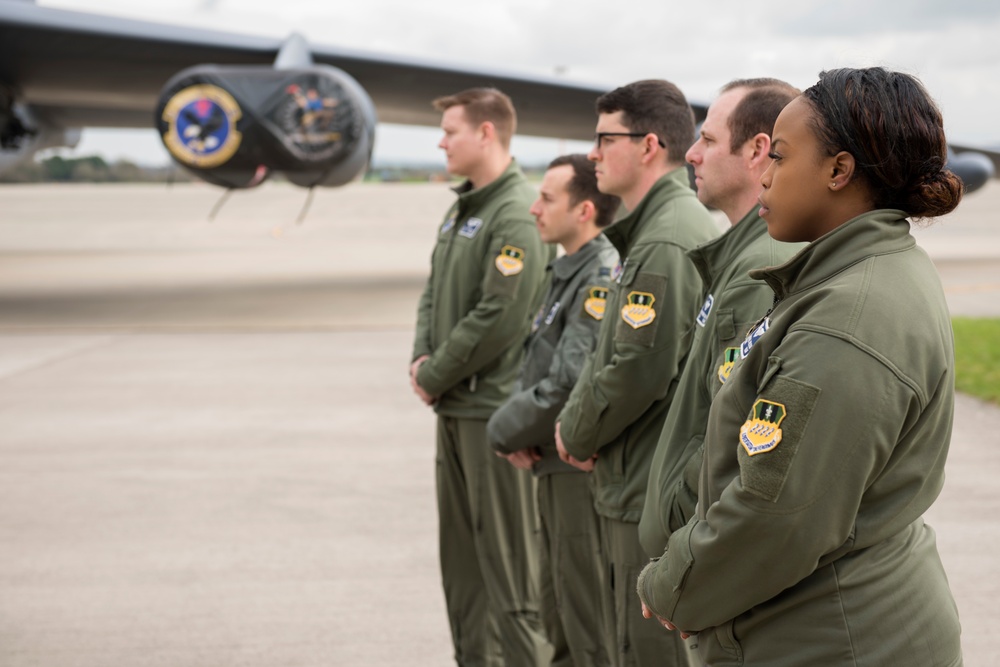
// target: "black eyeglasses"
[[599, 137]]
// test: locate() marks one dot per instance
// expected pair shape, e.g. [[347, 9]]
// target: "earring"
[[833, 184]]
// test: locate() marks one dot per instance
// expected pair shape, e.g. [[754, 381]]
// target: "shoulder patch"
[[638, 311], [706, 310], [470, 228], [510, 261], [776, 424], [448, 224], [596, 302], [728, 361], [761, 432]]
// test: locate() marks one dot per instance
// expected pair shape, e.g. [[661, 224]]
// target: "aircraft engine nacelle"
[[234, 126]]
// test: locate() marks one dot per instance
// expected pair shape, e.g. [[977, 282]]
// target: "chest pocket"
[[638, 302]]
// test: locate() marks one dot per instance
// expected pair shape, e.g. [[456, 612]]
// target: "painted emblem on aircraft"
[[762, 430], [201, 126], [312, 122], [706, 310], [755, 335], [510, 261], [596, 302], [728, 361], [638, 312]]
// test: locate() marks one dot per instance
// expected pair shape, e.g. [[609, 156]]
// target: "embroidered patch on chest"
[[552, 314], [616, 273], [510, 261], [596, 302], [470, 228], [448, 224], [638, 312], [761, 432], [755, 335], [706, 310], [728, 361]]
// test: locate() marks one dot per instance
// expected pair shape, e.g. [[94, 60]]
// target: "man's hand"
[[648, 613], [566, 457], [417, 389], [523, 459]]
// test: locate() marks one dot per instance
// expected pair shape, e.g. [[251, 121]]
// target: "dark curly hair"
[[889, 123]]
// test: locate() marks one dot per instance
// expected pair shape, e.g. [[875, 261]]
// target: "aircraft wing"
[[86, 70]]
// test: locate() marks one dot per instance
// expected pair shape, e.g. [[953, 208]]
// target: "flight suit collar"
[[471, 198], [565, 267], [873, 233], [711, 257], [626, 230]]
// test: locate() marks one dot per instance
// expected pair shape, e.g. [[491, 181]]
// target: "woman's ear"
[[842, 170]]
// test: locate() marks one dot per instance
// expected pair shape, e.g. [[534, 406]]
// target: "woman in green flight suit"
[[828, 442]]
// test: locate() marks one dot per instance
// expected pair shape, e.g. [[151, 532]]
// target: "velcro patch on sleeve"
[[510, 261], [509, 265], [641, 303], [771, 434], [596, 302]]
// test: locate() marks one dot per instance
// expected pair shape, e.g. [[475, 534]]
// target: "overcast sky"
[[953, 46]]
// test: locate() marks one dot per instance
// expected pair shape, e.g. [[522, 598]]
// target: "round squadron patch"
[[638, 312], [201, 126], [728, 361], [761, 432], [596, 302], [510, 261]]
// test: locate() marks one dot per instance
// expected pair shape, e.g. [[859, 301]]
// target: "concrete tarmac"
[[209, 452]]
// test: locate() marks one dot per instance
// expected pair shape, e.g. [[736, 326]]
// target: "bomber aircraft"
[[234, 109]]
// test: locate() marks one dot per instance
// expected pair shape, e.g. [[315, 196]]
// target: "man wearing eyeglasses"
[[615, 413]]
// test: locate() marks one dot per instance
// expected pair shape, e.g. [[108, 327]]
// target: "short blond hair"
[[484, 105]]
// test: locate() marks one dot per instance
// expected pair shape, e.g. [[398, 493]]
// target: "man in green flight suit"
[[487, 277], [570, 211], [729, 158], [616, 410]]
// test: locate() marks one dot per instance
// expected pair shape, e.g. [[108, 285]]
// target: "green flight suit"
[[563, 336], [823, 450], [487, 273], [733, 303], [617, 408]]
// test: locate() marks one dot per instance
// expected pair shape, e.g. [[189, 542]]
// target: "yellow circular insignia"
[[596, 302], [728, 361], [638, 312], [201, 126], [510, 261], [761, 432]]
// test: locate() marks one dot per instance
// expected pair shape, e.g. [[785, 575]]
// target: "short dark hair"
[[894, 131], [656, 106], [759, 108], [484, 105], [583, 186]]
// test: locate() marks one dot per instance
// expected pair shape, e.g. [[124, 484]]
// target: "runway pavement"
[[209, 453]]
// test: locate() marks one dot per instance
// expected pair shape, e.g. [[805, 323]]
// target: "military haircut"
[[583, 186], [656, 106], [756, 112], [484, 105]]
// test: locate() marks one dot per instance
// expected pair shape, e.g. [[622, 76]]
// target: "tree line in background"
[[92, 169], [95, 169]]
